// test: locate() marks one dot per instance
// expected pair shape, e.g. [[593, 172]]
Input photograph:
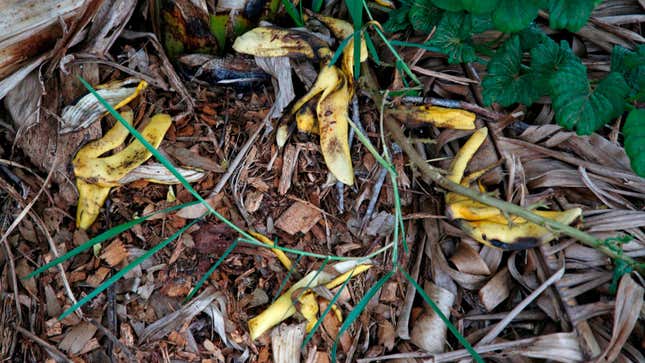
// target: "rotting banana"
[[342, 30], [265, 41], [283, 307], [306, 117], [88, 109], [488, 225], [414, 116], [333, 122], [96, 175]]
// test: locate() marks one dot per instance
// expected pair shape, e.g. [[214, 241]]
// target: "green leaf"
[[450, 5], [569, 14], [577, 106], [632, 66], [481, 23], [512, 15], [453, 38], [505, 83], [634, 131], [531, 37], [397, 20], [479, 6], [546, 59], [424, 16]]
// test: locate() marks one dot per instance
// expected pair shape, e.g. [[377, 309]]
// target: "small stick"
[[57, 354]]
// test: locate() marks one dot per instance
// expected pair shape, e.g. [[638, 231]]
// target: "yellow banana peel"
[[282, 257], [306, 118], [96, 175], [518, 235], [488, 225], [265, 41], [283, 307], [342, 30], [333, 123], [451, 118]]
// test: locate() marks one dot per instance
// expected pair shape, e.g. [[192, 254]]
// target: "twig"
[[57, 354], [434, 174], [112, 338]]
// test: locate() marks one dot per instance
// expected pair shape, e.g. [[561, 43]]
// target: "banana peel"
[[415, 116], [88, 109], [488, 225], [284, 306], [266, 41], [96, 175]]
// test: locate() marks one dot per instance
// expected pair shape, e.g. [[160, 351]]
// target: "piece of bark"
[[298, 218], [288, 167]]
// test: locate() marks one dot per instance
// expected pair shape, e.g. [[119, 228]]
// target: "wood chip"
[[288, 166], [77, 337], [98, 277], [298, 218], [496, 290], [114, 253]]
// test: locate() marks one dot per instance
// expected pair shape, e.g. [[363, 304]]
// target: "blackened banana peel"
[[96, 175]]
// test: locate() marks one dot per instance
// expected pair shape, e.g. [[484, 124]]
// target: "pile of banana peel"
[[96, 175], [323, 110], [489, 225], [302, 297]]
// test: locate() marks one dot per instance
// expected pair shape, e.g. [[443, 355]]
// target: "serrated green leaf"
[[452, 37], [512, 15], [546, 59], [481, 23], [479, 6], [424, 16], [634, 131], [531, 37], [569, 14], [505, 83], [397, 20], [632, 66], [577, 106], [450, 5]]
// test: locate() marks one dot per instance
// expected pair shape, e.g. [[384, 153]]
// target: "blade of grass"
[[284, 281], [112, 232], [358, 309], [125, 270], [317, 5], [371, 48], [339, 50], [210, 271], [446, 321], [293, 12], [327, 310], [355, 8]]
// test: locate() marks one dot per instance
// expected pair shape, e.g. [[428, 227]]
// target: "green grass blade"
[[210, 271], [126, 269], [371, 48], [112, 232], [327, 310], [284, 282], [293, 12], [317, 5], [358, 309], [355, 8], [339, 50], [446, 321]]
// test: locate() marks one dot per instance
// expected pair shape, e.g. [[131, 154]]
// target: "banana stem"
[[434, 174]]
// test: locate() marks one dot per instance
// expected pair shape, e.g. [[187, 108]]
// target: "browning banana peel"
[[488, 225], [96, 175], [452, 118], [284, 306]]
